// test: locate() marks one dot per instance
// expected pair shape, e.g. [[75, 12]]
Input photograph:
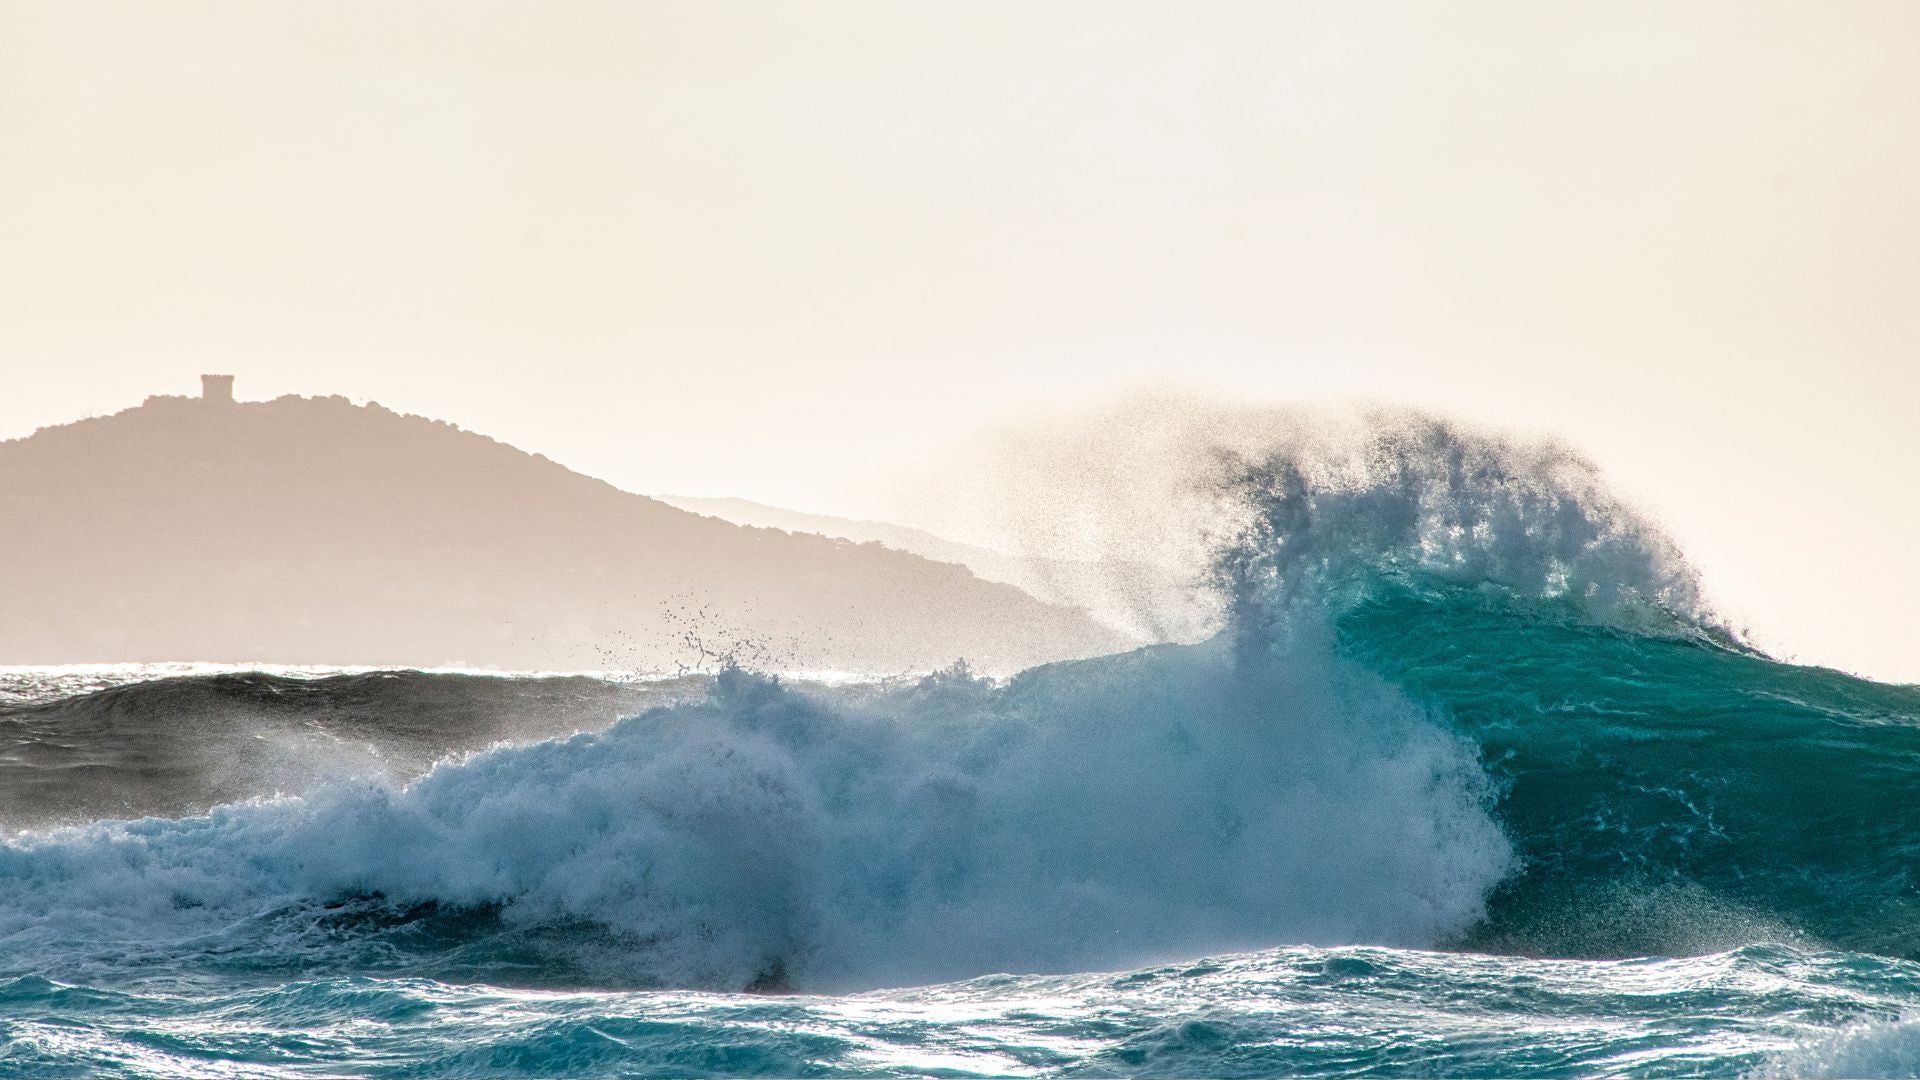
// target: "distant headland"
[[317, 530]]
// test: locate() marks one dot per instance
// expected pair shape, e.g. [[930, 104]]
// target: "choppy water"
[[1470, 783], [1293, 1011]]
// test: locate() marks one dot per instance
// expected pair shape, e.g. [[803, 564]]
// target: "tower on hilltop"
[[217, 389]]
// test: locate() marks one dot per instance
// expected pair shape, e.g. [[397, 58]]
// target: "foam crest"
[[1089, 815], [1321, 513]]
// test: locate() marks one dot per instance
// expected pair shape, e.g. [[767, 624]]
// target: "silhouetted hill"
[[314, 530]]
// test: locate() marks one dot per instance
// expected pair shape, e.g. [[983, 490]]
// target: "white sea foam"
[[1086, 816], [1887, 1048]]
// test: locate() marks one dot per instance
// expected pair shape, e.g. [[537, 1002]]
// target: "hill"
[[315, 530]]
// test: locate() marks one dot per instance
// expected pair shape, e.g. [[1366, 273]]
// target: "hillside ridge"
[[317, 530]]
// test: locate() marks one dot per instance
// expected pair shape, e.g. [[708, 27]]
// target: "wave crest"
[[1318, 516], [1150, 805]]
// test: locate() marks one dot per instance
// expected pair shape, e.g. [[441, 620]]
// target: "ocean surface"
[[1469, 782]]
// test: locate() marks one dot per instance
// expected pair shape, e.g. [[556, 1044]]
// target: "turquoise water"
[[1470, 782], [1667, 794], [1296, 1011]]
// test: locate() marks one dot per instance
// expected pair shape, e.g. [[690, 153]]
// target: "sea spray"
[[1316, 521], [1158, 804]]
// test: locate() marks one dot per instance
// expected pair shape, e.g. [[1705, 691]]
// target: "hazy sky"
[[779, 250]]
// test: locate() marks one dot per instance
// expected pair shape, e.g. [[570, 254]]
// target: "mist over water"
[[1175, 515]]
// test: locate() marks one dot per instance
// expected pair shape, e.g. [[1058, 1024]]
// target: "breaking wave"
[[1462, 697]]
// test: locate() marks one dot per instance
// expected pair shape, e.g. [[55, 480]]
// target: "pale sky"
[[783, 251]]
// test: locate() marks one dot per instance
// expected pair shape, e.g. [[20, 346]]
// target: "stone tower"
[[217, 389]]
